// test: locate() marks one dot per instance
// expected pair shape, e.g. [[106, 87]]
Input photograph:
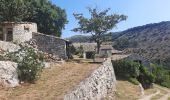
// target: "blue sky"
[[139, 12]]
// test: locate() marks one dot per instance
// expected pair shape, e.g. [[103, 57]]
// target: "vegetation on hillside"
[[134, 71], [49, 18], [98, 24], [161, 75]]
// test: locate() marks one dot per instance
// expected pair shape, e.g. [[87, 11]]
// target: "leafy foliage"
[[133, 71], [126, 68], [50, 18], [30, 63], [13, 10], [162, 76], [99, 24]]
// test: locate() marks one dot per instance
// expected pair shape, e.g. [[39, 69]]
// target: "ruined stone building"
[[19, 32]]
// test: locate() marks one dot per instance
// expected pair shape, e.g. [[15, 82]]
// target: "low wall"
[[50, 44], [96, 86], [8, 46]]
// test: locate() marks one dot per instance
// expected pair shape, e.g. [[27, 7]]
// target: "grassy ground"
[[125, 91], [52, 85], [128, 91], [169, 98]]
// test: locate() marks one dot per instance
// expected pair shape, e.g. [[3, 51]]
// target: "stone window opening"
[[26, 28]]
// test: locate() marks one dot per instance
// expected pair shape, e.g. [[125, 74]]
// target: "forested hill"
[[152, 41]]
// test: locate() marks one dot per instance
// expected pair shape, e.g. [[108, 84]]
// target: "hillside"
[[151, 41]]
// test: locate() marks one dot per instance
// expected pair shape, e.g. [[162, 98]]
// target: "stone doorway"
[[9, 35]]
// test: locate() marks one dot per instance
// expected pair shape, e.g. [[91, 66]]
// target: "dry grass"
[[160, 88], [157, 97], [150, 91], [169, 98], [52, 85], [125, 91]]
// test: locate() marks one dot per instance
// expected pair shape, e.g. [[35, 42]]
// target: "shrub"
[[146, 78], [133, 71], [30, 63], [126, 68], [161, 75]]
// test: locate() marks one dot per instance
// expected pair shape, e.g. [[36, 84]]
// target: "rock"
[[52, 64], [8, 74], [8, 46]]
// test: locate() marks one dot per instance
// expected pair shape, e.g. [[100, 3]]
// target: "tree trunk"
[[98, 47]]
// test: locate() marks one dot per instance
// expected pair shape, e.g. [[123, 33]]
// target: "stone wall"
[[50, 44], [8, 46], [23, 32], [96, 86]]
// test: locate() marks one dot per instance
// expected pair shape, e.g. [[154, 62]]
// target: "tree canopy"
[[98, 24], [49, 18]]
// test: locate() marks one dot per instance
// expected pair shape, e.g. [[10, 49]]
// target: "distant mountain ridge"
[[79, 39]]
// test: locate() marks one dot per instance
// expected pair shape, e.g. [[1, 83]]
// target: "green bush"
[[161, 75], [126, 68], [133, 71], [30, 63]]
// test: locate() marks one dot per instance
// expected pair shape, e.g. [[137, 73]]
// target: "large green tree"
[[12, 10], [49, 18], [98, 24]]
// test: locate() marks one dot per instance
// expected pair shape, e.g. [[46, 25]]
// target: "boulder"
[[8, 46], [8, 74]]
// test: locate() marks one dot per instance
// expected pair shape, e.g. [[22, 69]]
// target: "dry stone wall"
[[96, 86], [50, 44]]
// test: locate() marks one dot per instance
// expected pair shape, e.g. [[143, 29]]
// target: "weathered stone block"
[[8, 74]]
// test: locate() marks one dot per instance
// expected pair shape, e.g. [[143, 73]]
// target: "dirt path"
[[148, 97], [161, 96], [52, 85], [166, 96]]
